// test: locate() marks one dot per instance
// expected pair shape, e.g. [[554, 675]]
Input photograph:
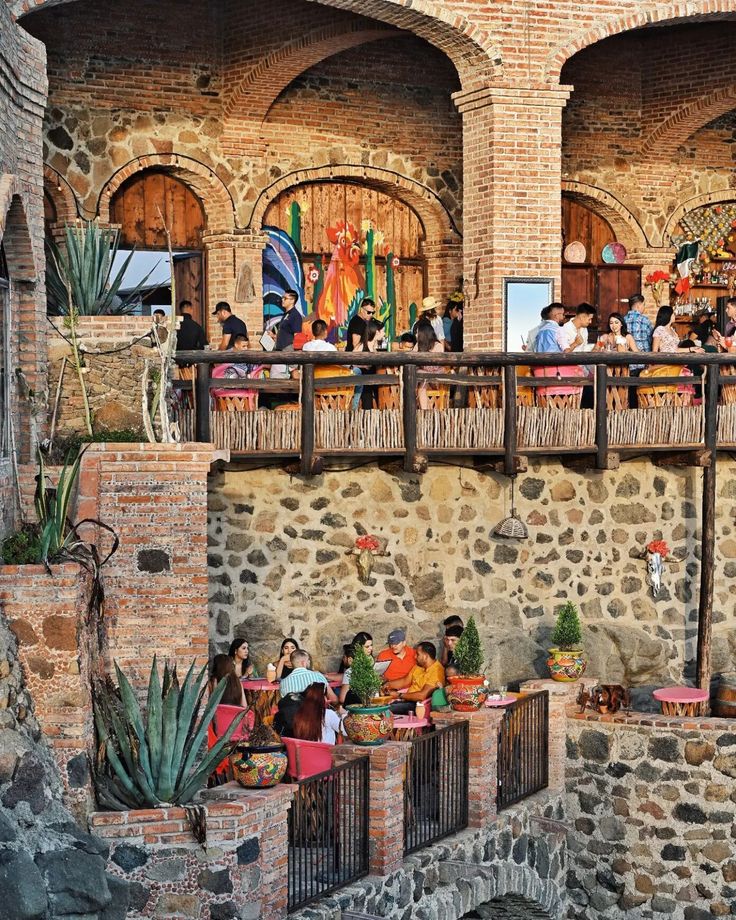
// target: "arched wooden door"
[[391, 267], [141, 206]]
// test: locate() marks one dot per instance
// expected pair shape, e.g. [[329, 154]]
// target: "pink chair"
[[224, 716], [307, 758]]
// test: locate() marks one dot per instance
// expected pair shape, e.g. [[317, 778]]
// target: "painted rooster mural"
[[342, 280]]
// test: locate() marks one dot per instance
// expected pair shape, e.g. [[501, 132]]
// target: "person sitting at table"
[[452, 634], [302, 676], [223, 668], [314, 720], [233, 371], [239, 651], [452, 620], [283, 666], [365, 641], [440, 703], [617, 337], [421, 682], [402, 656]]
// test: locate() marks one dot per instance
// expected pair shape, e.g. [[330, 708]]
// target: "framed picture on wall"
[[523, 301]]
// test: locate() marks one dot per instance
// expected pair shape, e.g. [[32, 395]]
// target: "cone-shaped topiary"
[[468, 653], [365, 681], [567, 634]]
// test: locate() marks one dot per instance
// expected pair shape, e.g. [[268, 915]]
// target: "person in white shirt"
[[573, 335], [319, 341]]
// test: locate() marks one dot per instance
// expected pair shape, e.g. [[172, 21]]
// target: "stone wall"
[[652, 806], [278, 563]]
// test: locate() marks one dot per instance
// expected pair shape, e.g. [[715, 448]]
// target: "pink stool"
[[681, 701]]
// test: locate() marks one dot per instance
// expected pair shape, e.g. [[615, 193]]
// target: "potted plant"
[[468, 691], [566, 660], [260, 761], [370, 722]]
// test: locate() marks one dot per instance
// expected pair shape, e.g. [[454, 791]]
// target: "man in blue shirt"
[[291, 323], [640, 328], [303, 676], [554, 312]]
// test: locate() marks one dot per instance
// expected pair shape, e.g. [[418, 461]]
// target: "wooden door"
[[188, 277], [616, 283], [578, 286]]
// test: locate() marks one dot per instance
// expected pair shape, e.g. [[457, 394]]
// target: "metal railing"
[[328, 832], [523, 749], [436, 786], [491, 403]]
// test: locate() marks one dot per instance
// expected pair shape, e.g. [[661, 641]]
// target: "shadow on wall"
[[280, 563]]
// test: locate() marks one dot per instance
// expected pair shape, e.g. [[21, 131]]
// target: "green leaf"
[[199, 735], [209, 762], [169, 726], [153, 721], [133, 714], [187, 700]]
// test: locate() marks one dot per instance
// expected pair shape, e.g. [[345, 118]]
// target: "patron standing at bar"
[[191, 336], [291, 323]]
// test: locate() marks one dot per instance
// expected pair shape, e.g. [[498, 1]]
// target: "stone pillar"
[[386, 791], [235, 273], [511, 200], [651, 260], [562, 698], [483, 760]]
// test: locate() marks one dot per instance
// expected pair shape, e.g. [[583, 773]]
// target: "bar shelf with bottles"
[[712, 285]]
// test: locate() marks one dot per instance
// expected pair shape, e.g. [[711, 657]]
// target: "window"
[[4, 357]]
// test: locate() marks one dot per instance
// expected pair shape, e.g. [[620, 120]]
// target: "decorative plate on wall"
[[614, 253], [575, 252]]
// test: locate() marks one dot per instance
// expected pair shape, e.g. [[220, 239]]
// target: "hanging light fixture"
[[511, 527]]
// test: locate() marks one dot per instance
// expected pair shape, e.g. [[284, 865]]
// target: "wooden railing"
[[479, 404]]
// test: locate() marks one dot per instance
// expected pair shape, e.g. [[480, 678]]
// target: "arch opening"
[[509, 907]]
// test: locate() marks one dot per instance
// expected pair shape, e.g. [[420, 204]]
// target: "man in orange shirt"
[[421, 682], [402, 656]]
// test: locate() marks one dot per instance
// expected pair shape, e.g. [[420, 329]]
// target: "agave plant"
[[82, 272], [144, 763]]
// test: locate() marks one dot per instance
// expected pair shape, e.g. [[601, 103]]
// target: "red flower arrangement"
[[658, 546], [367, 541], [659, 275], [658, 281]]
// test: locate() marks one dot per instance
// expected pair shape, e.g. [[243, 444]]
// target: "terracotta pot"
[[566, 664], [369, 725], [467, 694], [259, 767]]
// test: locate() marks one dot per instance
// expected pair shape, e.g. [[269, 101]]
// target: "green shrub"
[[567, 634], [468, 654], [22, 548], [365, 681]]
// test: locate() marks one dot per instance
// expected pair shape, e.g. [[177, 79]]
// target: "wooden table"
[[405, 727], [681, 701], [505, 701], [262, 695]]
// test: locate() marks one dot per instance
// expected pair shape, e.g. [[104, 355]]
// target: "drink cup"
[[421, 710], [271, 672]]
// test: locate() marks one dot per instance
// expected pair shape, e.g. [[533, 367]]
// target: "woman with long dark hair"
[[313, 720], [617, 338], [283, 666], [223, 668], [427, 341], [665, 338], [365, 641], [239, 651]]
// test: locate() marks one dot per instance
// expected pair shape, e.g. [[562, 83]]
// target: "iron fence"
[[436, 786], [328, 832], [523, 749]]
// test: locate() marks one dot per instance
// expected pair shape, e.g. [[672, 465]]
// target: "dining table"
[[406, 727], [262, 695]]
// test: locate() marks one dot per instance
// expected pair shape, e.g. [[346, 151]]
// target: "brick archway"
[[510, 907], [627, 227], [636, 17], [14, 233], [438, 224], [664, 139], [691, 204], [60, 192], [216, 200]]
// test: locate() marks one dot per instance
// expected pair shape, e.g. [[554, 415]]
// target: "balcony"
[[487, 405]]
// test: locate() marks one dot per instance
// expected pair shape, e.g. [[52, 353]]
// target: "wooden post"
[[601, 417], [708, 527], [307, 418], [410, 418], [202, 384], [509, 420]]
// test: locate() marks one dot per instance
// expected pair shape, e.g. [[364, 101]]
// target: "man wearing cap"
[[232, 326], [402, 658], [425, 677]]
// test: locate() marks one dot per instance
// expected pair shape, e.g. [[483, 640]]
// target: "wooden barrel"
[[725, 702]]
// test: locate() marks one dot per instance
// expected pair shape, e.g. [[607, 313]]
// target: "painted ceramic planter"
[[567, 665], [467, 694], [369, 725], [259, 767]]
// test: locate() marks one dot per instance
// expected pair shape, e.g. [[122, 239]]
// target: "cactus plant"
[[156, 761]]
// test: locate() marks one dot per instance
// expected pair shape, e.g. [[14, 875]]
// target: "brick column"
[[444, 266], [235, 273], [511, 200], [651, 260], [562, 698], [386, 794], [483, 760]]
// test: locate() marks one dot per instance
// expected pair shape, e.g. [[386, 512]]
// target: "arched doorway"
[[509, 907], [592, 280], [143, 207], [383, 260]]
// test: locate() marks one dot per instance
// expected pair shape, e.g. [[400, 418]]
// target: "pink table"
[[406, 726], [681, 701], [507, 700]]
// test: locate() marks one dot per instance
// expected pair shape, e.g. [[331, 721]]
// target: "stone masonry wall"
[[278, 563], [652, 806]]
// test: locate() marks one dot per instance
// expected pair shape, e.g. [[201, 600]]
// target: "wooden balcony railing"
[[482, 404]]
